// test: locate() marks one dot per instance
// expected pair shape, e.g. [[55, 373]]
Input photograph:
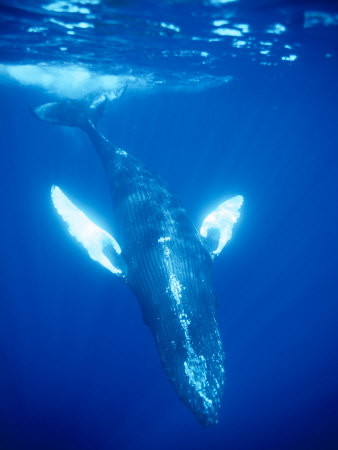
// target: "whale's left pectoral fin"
[[100, 245], [216, 229]]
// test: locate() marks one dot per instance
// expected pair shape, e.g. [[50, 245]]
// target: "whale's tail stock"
[[73, 112]]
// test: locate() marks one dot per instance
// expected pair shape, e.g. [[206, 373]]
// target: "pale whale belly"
[[170, 273]]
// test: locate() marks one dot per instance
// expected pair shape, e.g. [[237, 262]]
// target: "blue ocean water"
[[220, 98]]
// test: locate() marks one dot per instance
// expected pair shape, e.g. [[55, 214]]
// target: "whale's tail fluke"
[[82, 114], [73, 113]]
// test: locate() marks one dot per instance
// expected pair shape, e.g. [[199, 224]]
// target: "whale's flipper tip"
[[100, 245], [216, 229]]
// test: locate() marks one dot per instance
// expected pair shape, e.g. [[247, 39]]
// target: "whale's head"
[[181, 312], [193, 358], [203, 379]]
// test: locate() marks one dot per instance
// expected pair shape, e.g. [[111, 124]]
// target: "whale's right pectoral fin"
[[100, 245], [216, 229]]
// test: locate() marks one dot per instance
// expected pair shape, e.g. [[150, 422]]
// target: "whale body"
[[160, 255]]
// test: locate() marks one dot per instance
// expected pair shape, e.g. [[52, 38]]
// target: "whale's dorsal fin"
[[100, 245], [216, 229]]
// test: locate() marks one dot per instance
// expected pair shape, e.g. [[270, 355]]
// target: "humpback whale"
[[161, 256]]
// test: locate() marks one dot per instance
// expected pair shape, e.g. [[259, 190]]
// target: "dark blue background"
[[79, 369]]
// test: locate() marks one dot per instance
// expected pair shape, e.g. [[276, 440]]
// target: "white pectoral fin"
[[216, 229], [100, 245]]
